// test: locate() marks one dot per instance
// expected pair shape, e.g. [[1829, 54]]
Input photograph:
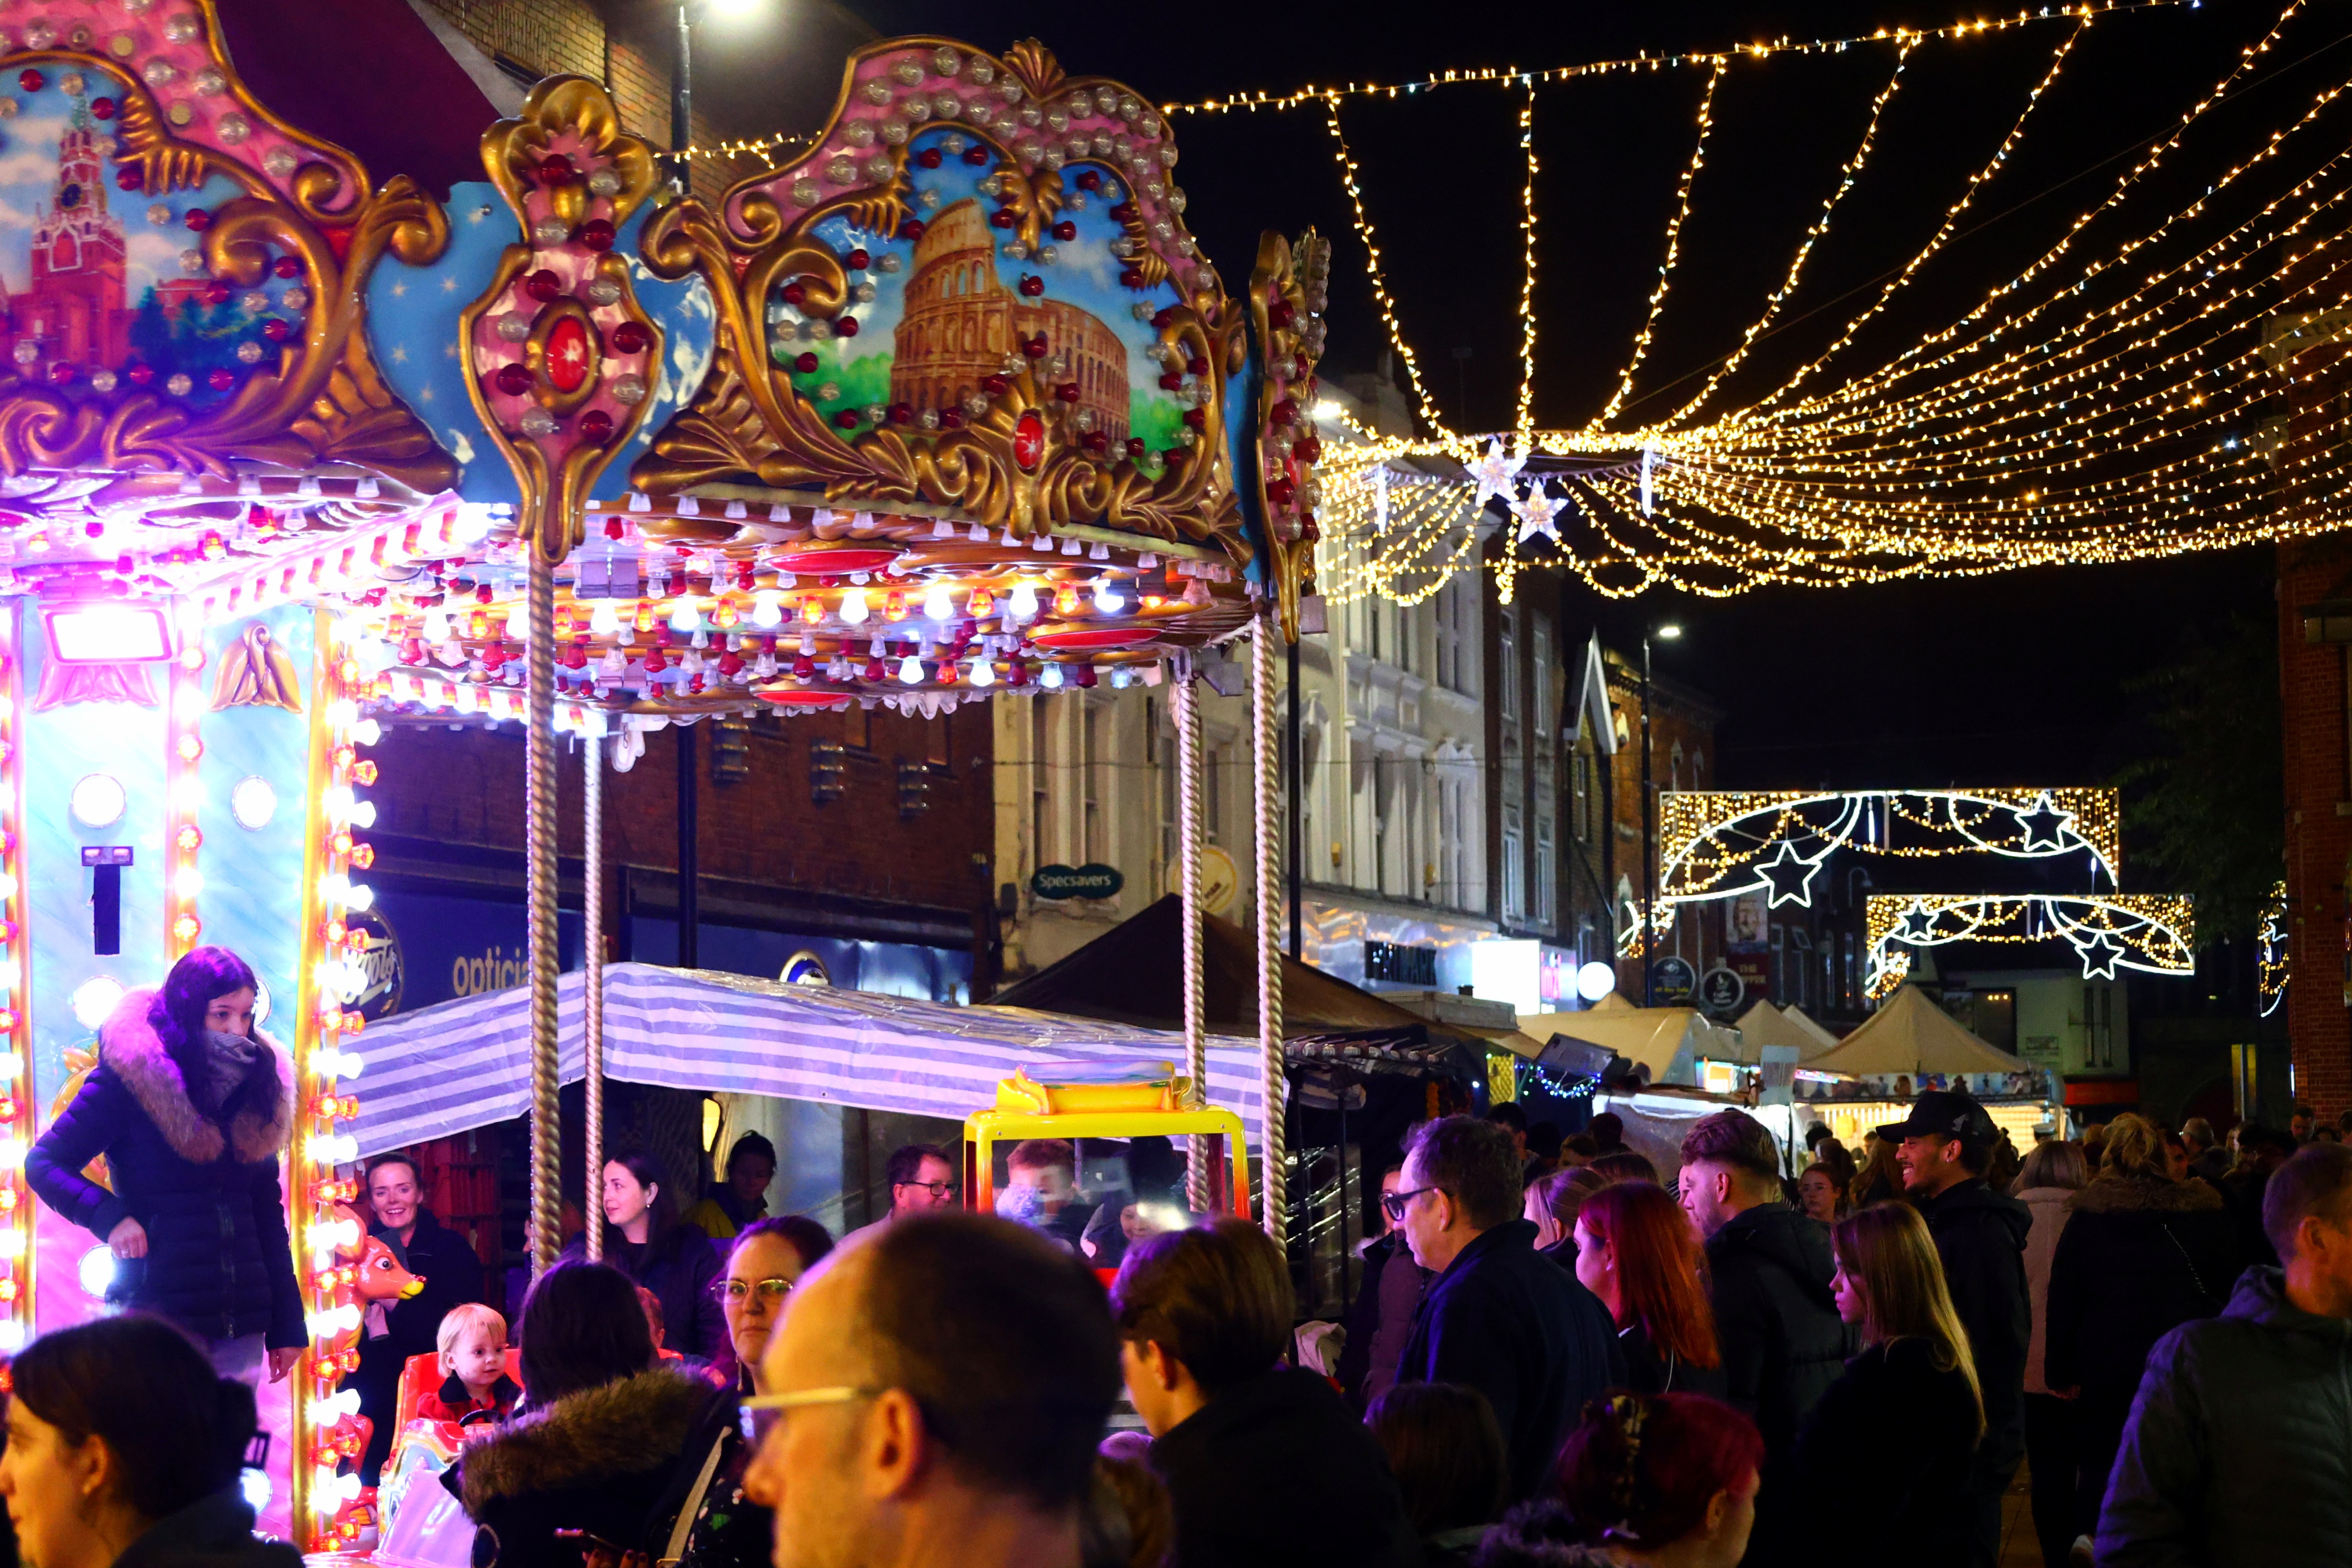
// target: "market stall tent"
[[1825, 1039], [1765, 1024], [1909, 1033], [467, 1064], [1666, 1040]]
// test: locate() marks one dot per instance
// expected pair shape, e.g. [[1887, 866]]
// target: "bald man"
[[933, 1397]]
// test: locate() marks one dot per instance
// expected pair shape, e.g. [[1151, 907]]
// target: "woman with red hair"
[[1634, 1250], [1645, 1479]]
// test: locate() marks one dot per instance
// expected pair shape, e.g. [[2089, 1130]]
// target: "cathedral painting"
[[98, 287]]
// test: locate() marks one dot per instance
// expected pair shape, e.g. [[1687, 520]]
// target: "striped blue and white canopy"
[[467, 1064]]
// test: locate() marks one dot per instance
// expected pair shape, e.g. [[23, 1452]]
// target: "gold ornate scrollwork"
[[1286, 294], [748, 422], [567, 164]]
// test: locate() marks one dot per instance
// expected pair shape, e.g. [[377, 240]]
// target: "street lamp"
[[681, 80], [1666, 631]]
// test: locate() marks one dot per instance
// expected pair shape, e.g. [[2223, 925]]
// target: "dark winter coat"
[[600, 1460], [1892, 1444], [219, 1262], [215, 1531], [1279, 1473], [452, 1272], [728, 1530], [2242, 1191], [678, 1268], [1648, 1371], [1981, 1237], [1381, 1319], [2138, 1258], [1519, 1329], [1783, 1343], [2239, 1451]]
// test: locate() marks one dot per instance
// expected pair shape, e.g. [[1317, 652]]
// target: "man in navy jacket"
[[1498, 1317]]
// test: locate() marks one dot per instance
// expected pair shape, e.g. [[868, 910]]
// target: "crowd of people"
[[1555, 1358]]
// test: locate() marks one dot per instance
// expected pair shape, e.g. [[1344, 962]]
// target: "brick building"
[[2315, 689]]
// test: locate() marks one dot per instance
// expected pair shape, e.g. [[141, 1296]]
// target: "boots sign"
[[1058, 882]]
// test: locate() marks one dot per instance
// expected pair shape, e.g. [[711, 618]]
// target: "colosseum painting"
[[958, 321]]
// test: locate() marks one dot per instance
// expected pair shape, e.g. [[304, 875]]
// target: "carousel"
[[949, 406]]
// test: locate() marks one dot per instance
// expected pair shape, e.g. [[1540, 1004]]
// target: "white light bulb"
[[937, 604], [1050, 677], [436, 627], [767, 608], [603, 620], [1024, 603], [685, 616], [1107, 598], [189, 702], [364, 814], [12, 1063], [359, 898], [367, 732], [188, 882], [853, 606], [984, 673], [910, 670]]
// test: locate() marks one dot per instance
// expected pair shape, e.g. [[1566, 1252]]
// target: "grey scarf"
[[229, 1060]]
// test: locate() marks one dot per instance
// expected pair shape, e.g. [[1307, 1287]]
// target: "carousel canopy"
[[1911, 1034], [467, 1064]]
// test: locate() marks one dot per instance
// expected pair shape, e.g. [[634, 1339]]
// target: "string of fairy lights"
[[2113, 398]]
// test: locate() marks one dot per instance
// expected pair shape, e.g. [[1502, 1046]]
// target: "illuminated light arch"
[[1720, 843], [2152, 932], [2273, 945]]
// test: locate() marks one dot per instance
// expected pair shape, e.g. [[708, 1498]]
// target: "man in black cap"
[[1943, 1147]]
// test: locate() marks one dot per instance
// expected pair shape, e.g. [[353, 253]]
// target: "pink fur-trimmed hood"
[[129, 1048]]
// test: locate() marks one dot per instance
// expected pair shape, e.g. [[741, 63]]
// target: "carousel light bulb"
[[12, 1063], [852, 607], [937, 604], [188, 704], [767, 608], [1024, 603], [1050, 677], [188, 882], [359, 898], [1107, 598], [367, 732], [984, 673], [362, 814], [437, 626], [684, 615], [603, 620], [910, 670]]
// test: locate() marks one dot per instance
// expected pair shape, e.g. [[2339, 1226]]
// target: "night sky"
[[2017, 678]]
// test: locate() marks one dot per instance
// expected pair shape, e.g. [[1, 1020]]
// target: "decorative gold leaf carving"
[[1036, 67]]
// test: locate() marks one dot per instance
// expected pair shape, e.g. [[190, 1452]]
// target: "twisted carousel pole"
[[1185, 708], [540, 871], [591, 908], [1268, 839], [559, 395]]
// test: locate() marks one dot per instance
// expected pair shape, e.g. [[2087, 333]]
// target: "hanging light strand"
[[1674, 245]]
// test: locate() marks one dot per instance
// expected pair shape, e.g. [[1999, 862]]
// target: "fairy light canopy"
[[2114, 396]]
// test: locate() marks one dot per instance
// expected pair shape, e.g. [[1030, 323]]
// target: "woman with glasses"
[[710, 1522]]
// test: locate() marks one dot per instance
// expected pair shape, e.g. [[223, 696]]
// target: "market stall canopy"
[[1765, 1024], [467, 1064], [1134, 974], [1666, 1040], [1909, 1033], [1826, 1037]]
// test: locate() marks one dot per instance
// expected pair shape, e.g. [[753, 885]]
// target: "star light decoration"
[[1718, 843], [1535, 511], [2152, 932], [1495, 473], [2271, 951]]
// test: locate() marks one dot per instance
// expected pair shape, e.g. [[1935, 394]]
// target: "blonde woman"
[[1893, 1440]]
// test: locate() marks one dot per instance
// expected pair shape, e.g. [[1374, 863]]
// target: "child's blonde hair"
[[471, 1315]]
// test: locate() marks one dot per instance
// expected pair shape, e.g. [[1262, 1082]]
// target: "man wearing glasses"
[[1499, 1316], [922, 1178], [934, 1395]]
